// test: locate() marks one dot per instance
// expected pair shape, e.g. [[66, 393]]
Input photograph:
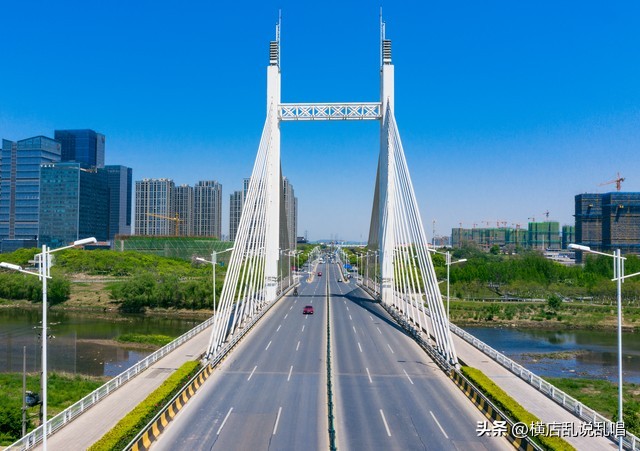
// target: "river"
[[78, 343], [591, 354]]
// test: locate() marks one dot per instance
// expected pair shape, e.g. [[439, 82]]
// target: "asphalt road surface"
[[271, 392]]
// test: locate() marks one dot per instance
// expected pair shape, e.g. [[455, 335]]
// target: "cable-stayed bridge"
[[370, 368]]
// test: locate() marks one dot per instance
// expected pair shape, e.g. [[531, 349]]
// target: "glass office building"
[[120, 179], [82, 146], [20, 189], [74, 204]]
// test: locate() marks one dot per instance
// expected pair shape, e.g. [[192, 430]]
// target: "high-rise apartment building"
[[291, 211], [74, 204], [608, 221], [183, 199], [82, 146], [155, 212], [235, 208], [120, 179], [568, 235], [207, 209], [235, 212], [20, 189]]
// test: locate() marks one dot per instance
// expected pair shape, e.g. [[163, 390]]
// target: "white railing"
[[571, 404], [73, 411]]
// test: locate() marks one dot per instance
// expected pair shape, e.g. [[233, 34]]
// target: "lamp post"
[[448, 263], [214, 262], [44, 273], [618, 277]]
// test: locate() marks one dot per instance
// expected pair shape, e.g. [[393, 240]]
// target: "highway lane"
[[389, 394], [271, 392]]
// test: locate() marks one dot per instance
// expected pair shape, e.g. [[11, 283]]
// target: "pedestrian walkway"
[[101, 418], [527, 396]]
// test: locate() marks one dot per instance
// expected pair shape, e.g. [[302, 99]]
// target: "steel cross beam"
[[329, 111]]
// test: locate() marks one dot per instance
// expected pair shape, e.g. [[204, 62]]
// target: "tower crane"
[[176, 219], [618, 181]]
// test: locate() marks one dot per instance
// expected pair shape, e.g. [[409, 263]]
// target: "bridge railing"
[[73, 411], [583, 412]]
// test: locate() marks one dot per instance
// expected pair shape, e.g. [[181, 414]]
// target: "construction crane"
[[546, 213], [176, 219], [618, 181]]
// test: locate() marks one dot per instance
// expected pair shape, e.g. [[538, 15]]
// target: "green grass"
[[126, 429], [602, 396], [156, 340], [511, 407], [63, 391]]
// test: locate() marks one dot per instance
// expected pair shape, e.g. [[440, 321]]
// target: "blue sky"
[[506, 109]]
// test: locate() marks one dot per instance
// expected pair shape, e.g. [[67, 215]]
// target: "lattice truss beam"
[[243, 293], [408, 276], [329, 111]]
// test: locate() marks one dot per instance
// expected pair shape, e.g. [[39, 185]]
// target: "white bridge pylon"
[[408, 281]]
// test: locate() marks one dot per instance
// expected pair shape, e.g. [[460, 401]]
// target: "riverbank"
[[539, 315]]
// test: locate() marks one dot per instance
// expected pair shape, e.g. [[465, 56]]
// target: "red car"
[[319, 273], [307, 310]]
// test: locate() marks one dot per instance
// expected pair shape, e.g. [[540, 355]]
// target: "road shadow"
[[358, 297]]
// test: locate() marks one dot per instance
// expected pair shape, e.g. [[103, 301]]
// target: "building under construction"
[[538, 235], [608, 221]]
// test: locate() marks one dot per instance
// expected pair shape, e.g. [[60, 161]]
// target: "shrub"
[[123, 432], [510, 407]]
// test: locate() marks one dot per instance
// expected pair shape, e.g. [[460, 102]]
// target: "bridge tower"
[[408, 284]]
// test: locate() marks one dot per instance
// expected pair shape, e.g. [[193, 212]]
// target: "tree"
[[554, 302]]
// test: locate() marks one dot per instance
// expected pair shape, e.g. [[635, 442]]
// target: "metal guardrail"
[[331, 417], [569, 403], [73, 411]]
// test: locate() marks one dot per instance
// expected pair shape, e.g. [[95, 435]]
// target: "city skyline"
[[506, 112]]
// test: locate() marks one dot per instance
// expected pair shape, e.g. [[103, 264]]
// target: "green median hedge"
[[123, 432], [511, 408]]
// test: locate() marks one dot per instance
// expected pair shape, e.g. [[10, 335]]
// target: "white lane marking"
[[285, 316], [254, 370], [390, 348], [281, 326], [386, 426], [267, 346], [405, 373], [303, 326], [290, 370], [350, 318], [369, 376], [224, 421], [438, 423], [275, 426], [298, 346], [371, 317], [379, 330], [347, 308], [360, 347], [345, 302], [354, 330], [290, 307]]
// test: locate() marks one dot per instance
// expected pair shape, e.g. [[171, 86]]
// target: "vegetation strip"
[[478, 381], [125, 429]]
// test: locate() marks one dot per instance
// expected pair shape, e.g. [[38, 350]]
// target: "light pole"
[[44, 273], [618, 277], [214, 262], [448, 263]]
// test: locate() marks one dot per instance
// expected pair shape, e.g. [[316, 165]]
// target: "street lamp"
[[618, 276], [44, 273], [214, 262], [448, 263]]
